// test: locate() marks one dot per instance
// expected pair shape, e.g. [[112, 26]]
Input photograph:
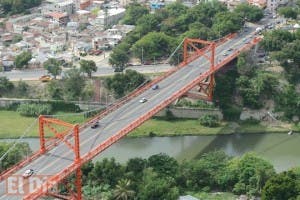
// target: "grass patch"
[[215, 196], [12, 125], [160, 127]]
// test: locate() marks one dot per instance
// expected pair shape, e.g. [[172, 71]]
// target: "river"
[[282, 150]]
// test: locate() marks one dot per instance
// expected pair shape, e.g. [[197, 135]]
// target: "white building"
[[62, 7], [110, 17]]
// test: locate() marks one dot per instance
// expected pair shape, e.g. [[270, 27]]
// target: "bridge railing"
[[115, 106]]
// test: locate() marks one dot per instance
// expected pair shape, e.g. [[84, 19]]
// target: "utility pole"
[[142, 61]]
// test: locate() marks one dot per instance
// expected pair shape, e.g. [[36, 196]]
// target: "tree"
[[207, 171], [22, 89], [53, 67], [227, 22], [73, 84], [289, 58], [88, 66], [123, 191], [249, 12], [5, 85], [96, 192], [18, 6], [288, 12], [119, 58], [281, 186], [55, 90], [133, 12], [154, 187], [121, 84], [276, 40], [153, 46], [249, 173], [163, 165], [15, 155], [108, 171], [22, 59]]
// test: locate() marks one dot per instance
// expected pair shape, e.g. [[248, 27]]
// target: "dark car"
[[95, 125]]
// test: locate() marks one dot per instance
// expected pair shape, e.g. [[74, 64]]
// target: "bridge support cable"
[[4, 174], [51, 124], [206, 86], [52, 181]]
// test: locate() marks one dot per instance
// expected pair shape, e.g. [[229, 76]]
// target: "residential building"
[[109, 17]]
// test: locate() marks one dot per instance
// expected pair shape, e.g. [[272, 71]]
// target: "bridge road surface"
[[61, 156]]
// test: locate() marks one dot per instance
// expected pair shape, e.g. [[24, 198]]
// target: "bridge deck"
[[57, 159]]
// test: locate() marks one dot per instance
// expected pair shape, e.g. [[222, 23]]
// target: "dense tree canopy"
[[288, 12], [134, 11], [22, 59], [153, 45], [73, 84], [16, 154], [122, 83], [18, 6], [156, 34], [249, 12], [281, 186], [5, 86]]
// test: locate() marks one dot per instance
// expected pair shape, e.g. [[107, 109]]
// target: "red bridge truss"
[[69, 134]]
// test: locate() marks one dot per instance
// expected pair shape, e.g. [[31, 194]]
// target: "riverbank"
[[181, 127], [13, 126]]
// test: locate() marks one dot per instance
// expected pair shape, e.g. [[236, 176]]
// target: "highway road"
[[61, 156], [105, 70]]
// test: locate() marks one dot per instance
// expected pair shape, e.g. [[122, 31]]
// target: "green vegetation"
[[209, 120], [18, 6], [34, 110], [5, 86], [13, 125], [123, 83], [21, 60], [162, 177], [16, 154], [288, 12], [53, 67], [88, 66], [157, 34]]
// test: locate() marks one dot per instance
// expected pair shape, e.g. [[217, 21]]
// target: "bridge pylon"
[[63, 135], [192, 48]]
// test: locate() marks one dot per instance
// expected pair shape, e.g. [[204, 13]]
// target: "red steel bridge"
[[72, 145]]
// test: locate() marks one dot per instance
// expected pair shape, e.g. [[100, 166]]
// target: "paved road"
[[16, 75], [61, 156]]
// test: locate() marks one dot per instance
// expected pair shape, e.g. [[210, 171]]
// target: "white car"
[[143, 100], [28, 173]]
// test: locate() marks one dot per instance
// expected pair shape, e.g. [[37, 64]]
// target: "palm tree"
[[123, 191]]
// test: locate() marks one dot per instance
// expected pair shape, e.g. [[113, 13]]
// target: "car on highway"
[[28, 173], [143, 100], [225, 54], [155, 87], [95, 125], [45, 78]]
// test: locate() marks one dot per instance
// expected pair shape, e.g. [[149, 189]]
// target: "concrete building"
[[272, 5], [258, 3], [110, 17]]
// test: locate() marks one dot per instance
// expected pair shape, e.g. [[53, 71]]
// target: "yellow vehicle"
[[45, 78]]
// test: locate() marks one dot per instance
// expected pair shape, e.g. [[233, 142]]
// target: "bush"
[[34, 110], [64, 106], [169, 115], [232, 112], [209, 120]]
